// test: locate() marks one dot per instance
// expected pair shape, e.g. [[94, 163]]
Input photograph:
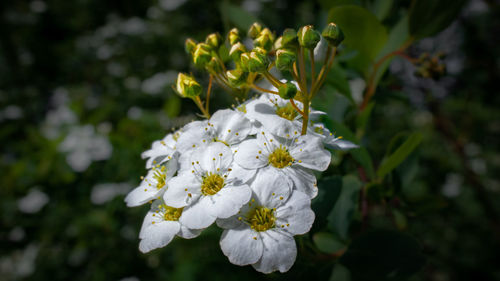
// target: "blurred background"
[[85, 87]]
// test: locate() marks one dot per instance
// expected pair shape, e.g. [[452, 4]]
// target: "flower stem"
[[209, 90], [199, 103], [263, 90], [292, 102], [313, 67]]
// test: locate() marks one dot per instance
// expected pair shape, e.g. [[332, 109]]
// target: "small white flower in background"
[[212, 188], [161, 225], [33, 202], [294, 158], [154, 184], [104, 192], [83, 146], [261, 234]]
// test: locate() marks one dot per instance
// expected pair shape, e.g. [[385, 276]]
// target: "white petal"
[[232, 126], [279, 252], [239, 174], [158, 153], [335, 143], [296, 214], [303, 180], [228, 201], [240, 246], [188, 233], [216, 155], [310, 153], [182, 190], [196, 216], [193, 135], [248, 155], [141, 195], [158, 235], [271, 187]]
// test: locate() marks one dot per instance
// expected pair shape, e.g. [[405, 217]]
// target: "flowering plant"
[[251, 168]]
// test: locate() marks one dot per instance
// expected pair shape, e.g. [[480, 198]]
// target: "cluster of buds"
[[430, 66], [236, 67]]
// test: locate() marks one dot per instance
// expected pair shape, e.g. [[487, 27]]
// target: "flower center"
[[287, 112], [280, 158], [261, 219], [212, 183], [160, 176], [171, 213], [242, 108]]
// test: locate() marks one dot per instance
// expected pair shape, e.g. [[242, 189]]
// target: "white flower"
[[261, 234], [276, 115], [329, 138], [294, 157], [154, 184], [161, 150], [212, 188], [226, 126], [160, 226]]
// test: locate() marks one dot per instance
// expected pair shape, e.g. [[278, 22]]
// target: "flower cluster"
[[249, 170]]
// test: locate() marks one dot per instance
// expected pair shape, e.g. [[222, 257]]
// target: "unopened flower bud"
[[233, 36], [190, 45], [255, 61], [236, 51], [236, 77], [285, 59], [254, 30], [202, 54], [187, 87], [308, 37], [333, 34], [287, 90], [264, 40], [289, 37], [214, 40], [278, 44]]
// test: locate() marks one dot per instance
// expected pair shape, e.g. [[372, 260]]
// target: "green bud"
[[278, 44], [287, 90], [236, 51], [233, 36], [308, 37], [202, 54], [214, 65], [264, 41], [289, 37], [285, 59], [214, 40], [190, 45], [258, 60], [236, 77], [333, 34], [254, 30], [187, 87], [255, 61]]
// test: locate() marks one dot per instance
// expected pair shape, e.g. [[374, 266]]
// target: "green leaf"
[[383, 255], [398, 36], [381, 8], [340, 273], [363, 33], [327, 4], [337, 79], [428, 17], [391, 162], [363, 118], [328, 243], [237, 16], [328, 193], [340, 217], [360, 154]]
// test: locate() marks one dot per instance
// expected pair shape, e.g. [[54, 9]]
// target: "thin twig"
[[292, 102]]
